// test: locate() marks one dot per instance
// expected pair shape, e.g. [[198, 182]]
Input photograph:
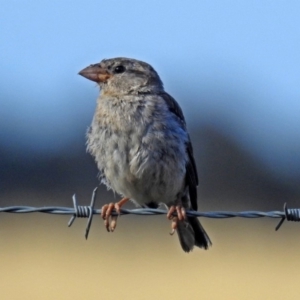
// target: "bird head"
[[123, 76]]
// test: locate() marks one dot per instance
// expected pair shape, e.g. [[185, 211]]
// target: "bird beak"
[[95, 73]]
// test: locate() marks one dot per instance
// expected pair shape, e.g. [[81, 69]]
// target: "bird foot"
[[181, 215], [110, 222]]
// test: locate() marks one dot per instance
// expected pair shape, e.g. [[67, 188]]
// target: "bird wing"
[[191, 176]]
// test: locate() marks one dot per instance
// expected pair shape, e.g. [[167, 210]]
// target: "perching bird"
[[139, 140]]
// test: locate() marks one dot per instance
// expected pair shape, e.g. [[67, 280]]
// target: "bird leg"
[[110, 221], [181, 215]]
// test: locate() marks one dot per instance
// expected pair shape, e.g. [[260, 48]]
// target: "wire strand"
[[78, 211]]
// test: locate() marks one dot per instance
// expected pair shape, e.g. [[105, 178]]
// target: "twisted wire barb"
[[78, 211]]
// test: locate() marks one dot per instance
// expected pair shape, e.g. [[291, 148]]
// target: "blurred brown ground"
[[43, 259]]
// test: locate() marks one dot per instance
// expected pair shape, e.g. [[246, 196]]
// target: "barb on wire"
[[78, 211], [84, 212]]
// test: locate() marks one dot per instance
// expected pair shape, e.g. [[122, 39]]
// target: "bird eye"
[[119, 69]]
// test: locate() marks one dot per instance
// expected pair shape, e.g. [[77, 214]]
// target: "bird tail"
[[191, 233]]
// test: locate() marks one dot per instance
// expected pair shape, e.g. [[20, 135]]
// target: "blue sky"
[[233, 65]]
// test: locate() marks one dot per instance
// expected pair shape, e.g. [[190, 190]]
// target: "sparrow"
[[140, 143]]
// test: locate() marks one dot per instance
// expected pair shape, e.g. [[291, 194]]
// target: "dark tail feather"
[[202, 239], [186, 235], [191, 233]]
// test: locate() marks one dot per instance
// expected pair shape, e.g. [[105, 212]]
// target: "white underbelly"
[[146, 177]]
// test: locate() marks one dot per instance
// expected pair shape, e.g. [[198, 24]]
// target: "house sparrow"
[[139, 140]]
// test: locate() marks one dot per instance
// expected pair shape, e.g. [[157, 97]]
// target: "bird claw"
[[174, 225], [107, 217], [110, 221], [113, 223], [181, 215]]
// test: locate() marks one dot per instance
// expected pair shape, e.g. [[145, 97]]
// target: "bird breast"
[[139, 147]]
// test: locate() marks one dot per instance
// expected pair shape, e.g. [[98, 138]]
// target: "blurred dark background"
[[233, 67]]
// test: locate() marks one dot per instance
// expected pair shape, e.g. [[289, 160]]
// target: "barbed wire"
[[87, 211]]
